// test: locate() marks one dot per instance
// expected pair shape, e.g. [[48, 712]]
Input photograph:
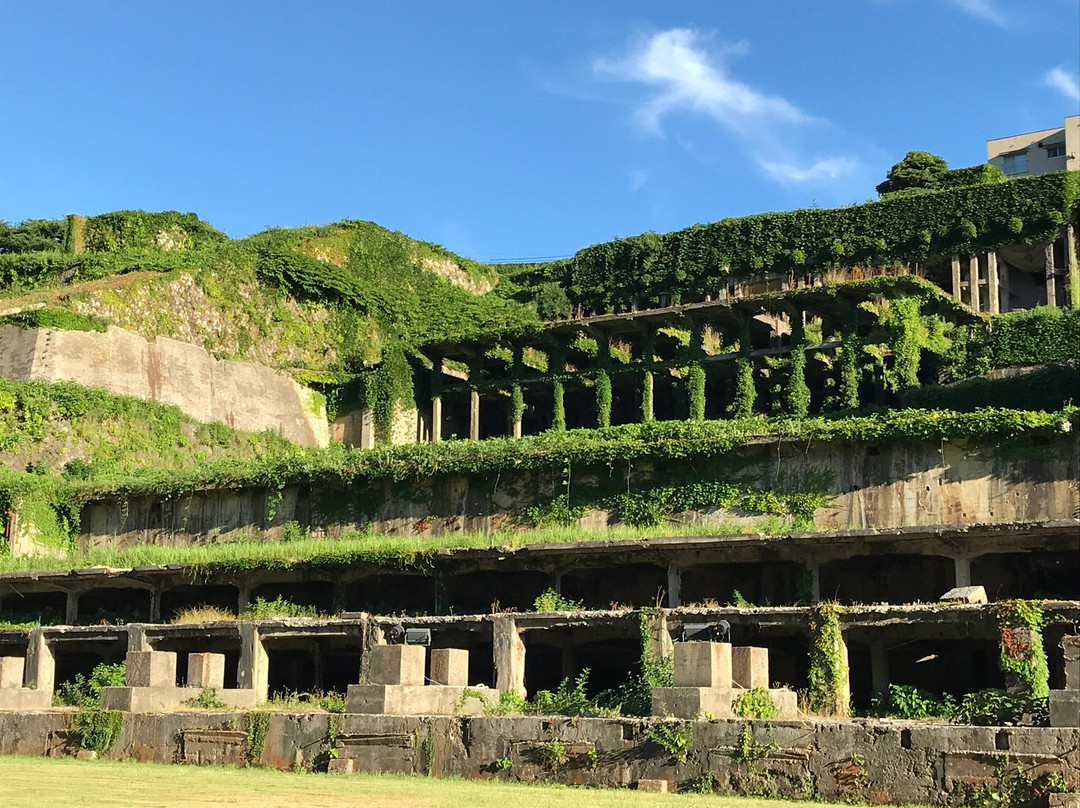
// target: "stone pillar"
[[962, 566], [1051, 277], [40, 662], [1072, 266], [647, 383], [879, 668], [509, 652], [992, 286], [474, 415], [956, 291], [450, 666], [660, 644], [674, 587], [150, 669], [516, 394], [815, 582], [367, 429], [436, 419], [243, 597], [71, 608], [137, 641], [973, 283], [155, 605], [254, 669]]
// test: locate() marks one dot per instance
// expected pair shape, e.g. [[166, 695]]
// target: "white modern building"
[[1038, 152]]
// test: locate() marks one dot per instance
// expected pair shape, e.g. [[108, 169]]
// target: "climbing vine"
[[558, 418], [850, 371], [745, 389], [828, 672], [603, 398], [1022, 656], [695, 390], [798, 393]]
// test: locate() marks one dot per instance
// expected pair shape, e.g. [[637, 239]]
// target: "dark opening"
[[46, 608], [475, 592], [887, 579], [291, 671], [610, 662], [455, 421], [946, 666], [626, 584], [180, 598], [763, 584], [114, 606], [1036, 575], [392, 594], [543, 667], [71, 663], [202, 644], [318, 594]]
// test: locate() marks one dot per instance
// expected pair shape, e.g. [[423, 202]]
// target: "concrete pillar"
[[1072, 266], [648, 383], [155, 605], [450, 666], [815, 582], [568, 661], [992, 286], [206, 670], [660, 644], [136, 634], [1003, 280], [243, 597], [367, 429], [962, 566], [436, 419], [509, 652], [12, 670], [515, 418], [474, 415], [973, 282], [879, 667], [253, 672], [40, 662], [150, 669], [1051, 278], [71, 608], [956, 292], [674, 587]]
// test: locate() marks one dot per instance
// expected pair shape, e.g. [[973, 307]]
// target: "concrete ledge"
[[717, 702], [21, 698], [1065, 708], [158, 699], [416, 700]]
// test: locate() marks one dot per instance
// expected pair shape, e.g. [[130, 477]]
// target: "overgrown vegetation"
[[828, 675]]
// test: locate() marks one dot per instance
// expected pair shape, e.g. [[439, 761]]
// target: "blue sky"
[[511, 129]]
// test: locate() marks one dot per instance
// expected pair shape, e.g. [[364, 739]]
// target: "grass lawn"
[[34, 782]]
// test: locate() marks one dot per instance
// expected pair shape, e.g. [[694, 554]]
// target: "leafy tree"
[[918, 169]]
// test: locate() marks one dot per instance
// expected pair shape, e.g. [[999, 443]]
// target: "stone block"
[[150, 669], [166, 699], [86, 754], [17, 699], [11, 671], [206, 670], [341, 766], [694, 702], [703, 664], [965, 594], [1065, 708], [653, 785], [397, 665], [450, 666], [749, 667], [1070, 648]]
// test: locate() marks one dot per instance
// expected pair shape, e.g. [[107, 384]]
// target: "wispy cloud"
[[638, 177], [1066, 83], [688, 71], [986, 10], [831, 168]]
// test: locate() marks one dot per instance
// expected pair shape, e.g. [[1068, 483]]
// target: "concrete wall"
[[861, 761], [898, 485], [241, 394]]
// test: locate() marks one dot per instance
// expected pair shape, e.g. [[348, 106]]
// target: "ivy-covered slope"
[[324, 301]]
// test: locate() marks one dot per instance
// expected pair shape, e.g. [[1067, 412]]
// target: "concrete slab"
[[450, 666], [749, 667], [150, 669], [11, 671], [1065, 708], [21, 698], [415, 700], [397, 665], [965, 594], [160, 699], [702, 664]]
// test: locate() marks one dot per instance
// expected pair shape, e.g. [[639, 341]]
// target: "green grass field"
[[35, 782]]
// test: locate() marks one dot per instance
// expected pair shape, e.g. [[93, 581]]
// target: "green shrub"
[[208, 699], [551, 601], [85, 691], [94, 729], [904, 701], [755, 703], [262, 609], [995, 708]]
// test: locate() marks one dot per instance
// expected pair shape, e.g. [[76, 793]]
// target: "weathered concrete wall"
[[872, 761], [241, 394], [901, 485]]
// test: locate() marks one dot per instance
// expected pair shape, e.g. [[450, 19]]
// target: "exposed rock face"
[[241, 394]]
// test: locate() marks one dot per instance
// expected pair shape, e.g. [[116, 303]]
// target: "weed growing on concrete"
[[208, 699], [675, 738], [95, 729], [755, 703], [256, 725]]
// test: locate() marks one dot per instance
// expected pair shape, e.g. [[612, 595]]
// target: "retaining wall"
[[878, 761]]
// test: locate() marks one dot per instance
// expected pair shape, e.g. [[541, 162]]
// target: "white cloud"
[[1066, 83], [983, 9], [831, 168], [687, 71], [677, 63], [638, 177]]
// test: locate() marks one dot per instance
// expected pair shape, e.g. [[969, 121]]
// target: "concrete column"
[[515, 418], [956, 278], [71, 608], [973, 282], [674, 587], [1051, 278], [509, 652], [963, 571], [1003, 280], [253, 672], [648, 386], [660, 643], [1072, 266], [243, 597], [367, 429], [136, 635], [474, 415], [155, 605], [992, 283], [815, 582], [879, 667], [40, 662], [436, 419], [568, 661]]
